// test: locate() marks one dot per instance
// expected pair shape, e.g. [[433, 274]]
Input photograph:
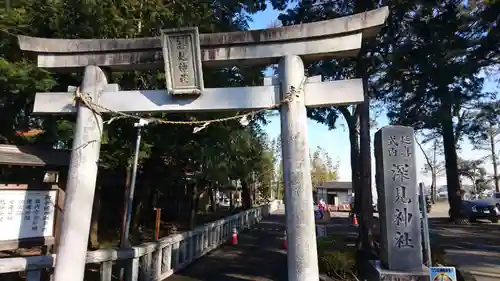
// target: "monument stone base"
[[382, 274]]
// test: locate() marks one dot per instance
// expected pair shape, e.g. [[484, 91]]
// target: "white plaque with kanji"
[[27, 213]]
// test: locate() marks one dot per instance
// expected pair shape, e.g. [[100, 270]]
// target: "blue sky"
[[336, 142]]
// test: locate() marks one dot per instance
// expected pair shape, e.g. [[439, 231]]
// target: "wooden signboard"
[[28, 217], [27, 213]]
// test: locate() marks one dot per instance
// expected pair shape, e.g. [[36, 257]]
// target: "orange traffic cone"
[[355, 220], [284, 240], [234, 238]]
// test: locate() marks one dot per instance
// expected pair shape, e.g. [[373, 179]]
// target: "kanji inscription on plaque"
[[26, 213], [182, 56]]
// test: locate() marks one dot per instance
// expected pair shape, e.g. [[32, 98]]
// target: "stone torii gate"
[[182, 52]]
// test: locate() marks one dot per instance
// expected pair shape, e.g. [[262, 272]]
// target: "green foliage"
[[485, 134], [217, 154], [430, 72], [411, 81], [267, 173], [438, 254], [474, 171], [334, 69], [339, 265], [335, 258], [486, 120], [18, 81], [322, 168], [424, 67]]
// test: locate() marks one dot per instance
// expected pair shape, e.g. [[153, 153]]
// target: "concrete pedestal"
[[379, 273]]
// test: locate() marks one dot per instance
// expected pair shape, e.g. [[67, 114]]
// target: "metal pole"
[[126, 230], [81, 182], [301, 237], [130, 200], [425, 223]]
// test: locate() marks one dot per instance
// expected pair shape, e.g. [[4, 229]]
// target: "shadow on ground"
[[474, 247], [259, 256], [478, 235]]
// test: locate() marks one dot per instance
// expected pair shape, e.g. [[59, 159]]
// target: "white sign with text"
[[26, 213]]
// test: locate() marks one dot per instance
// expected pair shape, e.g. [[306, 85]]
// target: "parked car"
[[442, 194], [496, 198], [480, 209]]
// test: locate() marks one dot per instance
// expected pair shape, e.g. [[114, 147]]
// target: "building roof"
[[29, 155], [336, 185]]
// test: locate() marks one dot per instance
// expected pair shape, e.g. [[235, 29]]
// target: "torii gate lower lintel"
[[314, 40], [319, 94]]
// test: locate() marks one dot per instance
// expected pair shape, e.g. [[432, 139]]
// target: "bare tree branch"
[[427, 159]]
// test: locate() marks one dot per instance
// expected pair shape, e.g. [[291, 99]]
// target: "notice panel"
[[27, 213]]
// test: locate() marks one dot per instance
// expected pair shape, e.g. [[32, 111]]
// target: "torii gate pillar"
[[302, 258], [82, 176]]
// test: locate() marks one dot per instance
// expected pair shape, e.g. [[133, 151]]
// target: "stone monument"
[[400, 229]]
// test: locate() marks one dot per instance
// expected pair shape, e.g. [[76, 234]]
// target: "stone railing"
[[150, 261]]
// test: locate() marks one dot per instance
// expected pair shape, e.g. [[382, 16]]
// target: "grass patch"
[[336, 259], [337, 256]]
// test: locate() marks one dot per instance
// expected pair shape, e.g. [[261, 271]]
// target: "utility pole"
[[130, 200]]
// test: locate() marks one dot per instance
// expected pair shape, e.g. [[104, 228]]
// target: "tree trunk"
[[94, 224], [366, 246], [197, 202], [355, 171], [181, 199], [247, 199], [432, 166], [136, 218], [494, 162], [351, 120], [254, 191], [451, 162], [231, 200], [434, 173], [365, 182], [213, 202], [194, 198], [433, 185], [142, 199]]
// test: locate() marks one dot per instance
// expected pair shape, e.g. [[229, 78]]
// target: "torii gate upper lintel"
[[288, 45], [316, 40]]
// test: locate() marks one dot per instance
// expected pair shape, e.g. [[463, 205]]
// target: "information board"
[[26, 213], [443, 273]]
